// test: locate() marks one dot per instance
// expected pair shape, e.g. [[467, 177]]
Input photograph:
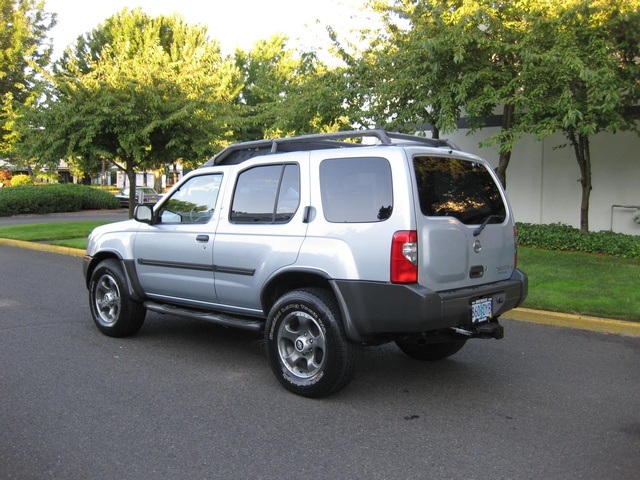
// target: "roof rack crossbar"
[[376, 132], [234, 153]]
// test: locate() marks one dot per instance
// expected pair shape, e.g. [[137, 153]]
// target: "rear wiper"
[[479, 230]]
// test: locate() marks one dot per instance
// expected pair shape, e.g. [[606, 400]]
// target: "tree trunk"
[[131, 175], [157, 180], [505, 153], [583, 156]]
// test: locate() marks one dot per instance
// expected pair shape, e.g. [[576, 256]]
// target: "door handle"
[[309, 214], [202, 238]]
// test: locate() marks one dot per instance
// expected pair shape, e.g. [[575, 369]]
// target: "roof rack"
[[240, 152]]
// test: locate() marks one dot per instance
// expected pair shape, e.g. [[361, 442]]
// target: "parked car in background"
[[143, 195]]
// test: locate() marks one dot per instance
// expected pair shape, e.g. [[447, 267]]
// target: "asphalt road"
[[188, 400]]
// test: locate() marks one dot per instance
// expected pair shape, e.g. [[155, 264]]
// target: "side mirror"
[[143, 214]]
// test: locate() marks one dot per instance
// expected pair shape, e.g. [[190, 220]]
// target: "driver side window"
[[194, 202]]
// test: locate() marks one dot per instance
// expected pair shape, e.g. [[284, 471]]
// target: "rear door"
[[465, 229], [262, 229]]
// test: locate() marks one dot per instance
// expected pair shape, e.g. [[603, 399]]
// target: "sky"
[[234, 23]]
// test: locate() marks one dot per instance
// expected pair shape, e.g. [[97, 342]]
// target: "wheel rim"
[[301, 345], [107, 300]]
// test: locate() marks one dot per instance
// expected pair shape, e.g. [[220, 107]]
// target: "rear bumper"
[[370, 309]]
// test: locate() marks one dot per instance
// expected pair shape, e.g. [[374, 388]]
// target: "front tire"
[[306, 344], [430, 351], [114, 312]]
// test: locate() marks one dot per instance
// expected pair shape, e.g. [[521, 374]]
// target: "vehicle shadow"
[[383, 373]]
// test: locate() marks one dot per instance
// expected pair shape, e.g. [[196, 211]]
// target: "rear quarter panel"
[[357, 251]]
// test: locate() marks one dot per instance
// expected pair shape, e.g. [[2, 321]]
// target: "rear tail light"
[[404, 257]]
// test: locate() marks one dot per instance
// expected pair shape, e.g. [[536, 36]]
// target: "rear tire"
[[430, 351], [114, 312], [306, 344]]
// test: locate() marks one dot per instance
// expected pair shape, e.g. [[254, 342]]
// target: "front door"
[[174, 256]]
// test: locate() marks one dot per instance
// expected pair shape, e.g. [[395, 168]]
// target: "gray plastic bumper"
[[370, 309]]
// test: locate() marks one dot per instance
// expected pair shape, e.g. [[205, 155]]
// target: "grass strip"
[[79, 243], [44, 232], [582, 283]]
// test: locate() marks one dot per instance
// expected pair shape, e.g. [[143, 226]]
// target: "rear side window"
[[463, 189], [356, 190], [267, 194]]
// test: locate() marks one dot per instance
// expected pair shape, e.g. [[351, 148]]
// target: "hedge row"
[[53, 198], [564, 237]]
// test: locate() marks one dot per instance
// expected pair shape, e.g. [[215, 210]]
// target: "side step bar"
[[217, 318]]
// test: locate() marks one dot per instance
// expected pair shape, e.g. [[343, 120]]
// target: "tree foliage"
[[142, 92], [155, 92], [567, 66], [584, 76], [440, 60], [286, 92], [419, 70], [25, 50]]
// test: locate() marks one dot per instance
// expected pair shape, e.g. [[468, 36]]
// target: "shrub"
[[566, 238], [5, 177], [96, 199], [20, 180], [53, 198]]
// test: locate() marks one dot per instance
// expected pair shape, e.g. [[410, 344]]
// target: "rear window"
[[463, 189], [356, 190]]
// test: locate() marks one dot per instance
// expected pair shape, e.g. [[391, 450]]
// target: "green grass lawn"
[[66, 234], [79, 243], [41, 232], [581, 283]]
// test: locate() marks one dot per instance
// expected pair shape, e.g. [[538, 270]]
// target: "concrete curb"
[[605, 325], [581, 322], [43, 247]]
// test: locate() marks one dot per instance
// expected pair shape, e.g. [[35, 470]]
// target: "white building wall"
[[543, 181]]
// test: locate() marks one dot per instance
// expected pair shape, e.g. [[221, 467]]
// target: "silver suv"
[[325, 243]]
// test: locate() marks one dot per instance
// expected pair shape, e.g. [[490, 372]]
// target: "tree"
[[315, 102], [158, 91], [499, 30], [25, 50], [413, 72], [439, 60], [286, 92], [567, 66], [583, 77]]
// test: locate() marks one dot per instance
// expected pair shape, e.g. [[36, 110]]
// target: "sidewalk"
[[110, 215]]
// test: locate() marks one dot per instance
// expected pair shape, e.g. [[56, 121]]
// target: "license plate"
[[481, 310]]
